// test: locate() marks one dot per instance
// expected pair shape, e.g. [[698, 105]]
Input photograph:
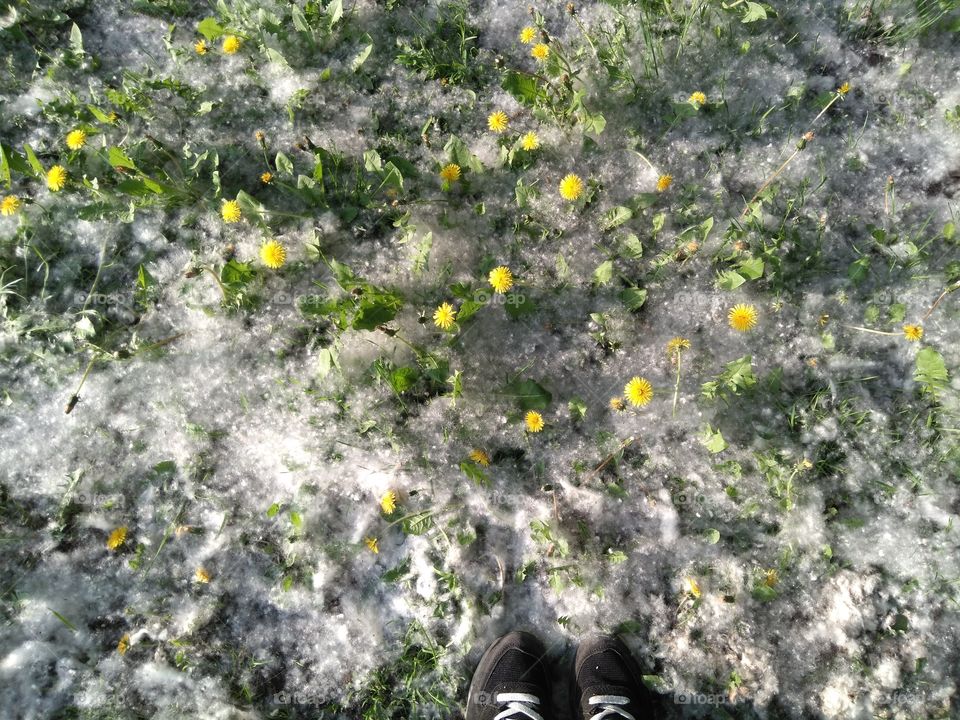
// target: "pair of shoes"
[[512, 682]]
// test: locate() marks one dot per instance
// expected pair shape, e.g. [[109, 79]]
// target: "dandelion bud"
[[571, 9]]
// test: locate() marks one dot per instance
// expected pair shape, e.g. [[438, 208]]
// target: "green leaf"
[[730, 280], [361, 57], [76, 41], [144, 278], [395, 573], [98, 114], [931, 370], [403, 378], [326, 361], [33, 160], [118, 158], [615, 217], [593, 122], [296, 519], [458, 152], [273, 510], [334, 13], [754, 12], [857, 272], [751, 268], [5, 176], [633, 298], [713, 536], [210, 28], [524, 88], [631, 248], [376, 308], [417, 524], [713, 440], [284, 165], [604, 273], [236, 274], [529, 395], [475, 473]]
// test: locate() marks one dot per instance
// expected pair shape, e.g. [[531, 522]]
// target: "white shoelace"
[[518, 703], [610, 706]]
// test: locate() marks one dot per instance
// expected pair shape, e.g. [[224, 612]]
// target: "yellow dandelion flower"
[[691, 587], [117, 538], [124, 644], [450, 173], [501, 279], [534, 421], [770, 578], [617, 404], [388, 503], [540, 52], [373, 544], [698, 98], [638, 391], [112, 117], [530, 141], [56, 178], [201, 575], [664, 182], [231, 43], [742, 317], [10, 205], [844, 89], [273, 254], [912, 333], [571, 187], [444, 316], [677, 345], [76, 139], [266, 178], [498, 121], [230, 211], [200, 47], [479, 457], [528, 34]]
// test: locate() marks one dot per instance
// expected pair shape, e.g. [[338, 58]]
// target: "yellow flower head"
[[200, 47], [498, 121], [201, 575], [638, 391], [266, 178], [617, 404], [540, 52], [528, 34], [117, 538], [124, 644], [444, 316], [530, 141], [534, 421], [690, 587], [698, 98], [742, 317], [10, 205], [388, 503], [56, 178], [677, 345], [450, 173], [571, 187], [479, 457], [912, 333], [231, 43], [76, 139], [770, 577], [373, 544], [230, 211], [273, 254], [664, 182], [844, 89], [501, 279]]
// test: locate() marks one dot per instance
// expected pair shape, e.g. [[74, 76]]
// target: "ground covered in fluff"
[[383, 328]]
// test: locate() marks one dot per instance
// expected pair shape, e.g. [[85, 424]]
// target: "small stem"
[[676, 387], [75, 398], [942, 296], [875, 332], [223, 289]]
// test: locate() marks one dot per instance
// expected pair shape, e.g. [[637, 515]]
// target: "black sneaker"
[[607, 682], [511, 682]]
